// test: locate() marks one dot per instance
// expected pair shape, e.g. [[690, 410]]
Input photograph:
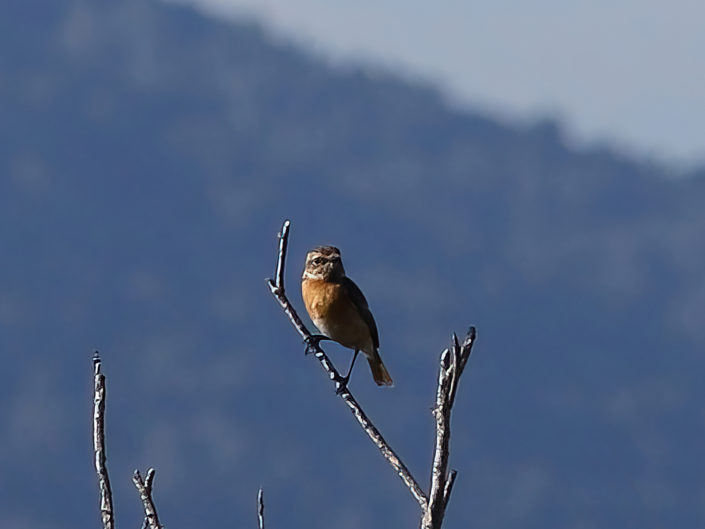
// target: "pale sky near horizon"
[[626, 72]]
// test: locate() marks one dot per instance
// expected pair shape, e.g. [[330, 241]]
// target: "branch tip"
[[445, 359], [260, 508], [149, 479], [151, 519], [448, 487], [281, 258], [472, 333]]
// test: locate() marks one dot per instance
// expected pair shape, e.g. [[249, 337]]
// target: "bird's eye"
[[317, 261]]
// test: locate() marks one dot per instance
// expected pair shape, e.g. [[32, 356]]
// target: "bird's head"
[[324, 263]]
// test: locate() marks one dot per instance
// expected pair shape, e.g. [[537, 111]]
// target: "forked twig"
[[148, 481], [144, 487], [453, 362]]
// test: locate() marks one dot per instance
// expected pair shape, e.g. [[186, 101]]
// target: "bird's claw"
[[341, 385], [312, 342]]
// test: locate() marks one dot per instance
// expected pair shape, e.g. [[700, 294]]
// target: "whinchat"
[[339, 309]]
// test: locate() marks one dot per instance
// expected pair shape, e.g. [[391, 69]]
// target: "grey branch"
[[151, 521], [148, 481], [144, 487], [277, 289], [260, 508], [106, 495], [453, 363]]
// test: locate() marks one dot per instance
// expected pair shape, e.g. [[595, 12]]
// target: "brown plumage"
[[339, 309]]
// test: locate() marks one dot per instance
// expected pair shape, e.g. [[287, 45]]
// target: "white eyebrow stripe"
[[310, 275]]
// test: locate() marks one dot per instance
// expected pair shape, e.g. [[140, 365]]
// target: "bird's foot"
[[312, 342], [341, 385]]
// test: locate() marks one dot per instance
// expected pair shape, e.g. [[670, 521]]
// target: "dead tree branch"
[[277, 289], [106, 495], [148, 481], [144, 487], [260, 508], [453, 362]]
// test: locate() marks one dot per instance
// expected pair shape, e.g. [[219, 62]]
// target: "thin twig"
[[260, 508], [148, 481], [449, 487], [277, 289], [145, 490], [462, 354], [441, 452], [281, 260], [106, 495], [453, 363]]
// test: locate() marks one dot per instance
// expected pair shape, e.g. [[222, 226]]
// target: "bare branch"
[[145, 490], [462, 354], [277, 289], [260, 508], [449, 487], [281, 259], [148, 481], [453, 363], [106, 495]]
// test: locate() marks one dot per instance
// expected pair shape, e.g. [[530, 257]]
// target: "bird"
[[340, 311]]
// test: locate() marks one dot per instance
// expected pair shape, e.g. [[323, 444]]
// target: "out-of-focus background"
[[149, 152]]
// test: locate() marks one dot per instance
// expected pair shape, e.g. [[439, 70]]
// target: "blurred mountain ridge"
[[148, 157]]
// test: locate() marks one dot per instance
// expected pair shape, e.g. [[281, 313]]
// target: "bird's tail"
[[379, 372]]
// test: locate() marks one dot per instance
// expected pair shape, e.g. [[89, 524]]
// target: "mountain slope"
[[149, 156]]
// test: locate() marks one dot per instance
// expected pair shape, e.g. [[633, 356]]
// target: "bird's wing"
[[358, 299]]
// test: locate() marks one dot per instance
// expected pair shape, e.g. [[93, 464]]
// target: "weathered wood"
[[101, 469]]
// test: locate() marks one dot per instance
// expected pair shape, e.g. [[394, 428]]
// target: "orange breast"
[[335, 315]]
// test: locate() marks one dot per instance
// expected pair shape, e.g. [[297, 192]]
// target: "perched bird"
[[339, 309]]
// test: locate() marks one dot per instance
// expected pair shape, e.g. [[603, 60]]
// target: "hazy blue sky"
[[629, 71]]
